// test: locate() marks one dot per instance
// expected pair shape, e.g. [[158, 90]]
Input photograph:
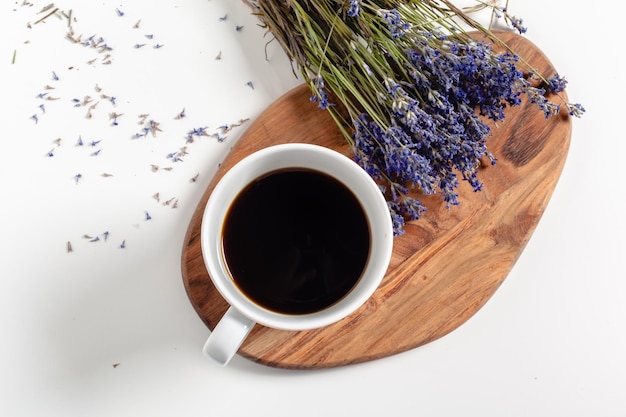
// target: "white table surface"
[[109, 331]]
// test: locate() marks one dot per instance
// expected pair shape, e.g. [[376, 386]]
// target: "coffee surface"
[[296, 240]]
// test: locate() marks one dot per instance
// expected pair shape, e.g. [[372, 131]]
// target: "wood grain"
[[446, 266]]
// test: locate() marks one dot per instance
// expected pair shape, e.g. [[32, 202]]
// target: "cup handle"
[[227, 336]]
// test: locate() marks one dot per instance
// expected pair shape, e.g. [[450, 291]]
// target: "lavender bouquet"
[[408, 86]]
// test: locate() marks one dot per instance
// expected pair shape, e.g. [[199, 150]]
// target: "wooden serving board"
[[446, 266]]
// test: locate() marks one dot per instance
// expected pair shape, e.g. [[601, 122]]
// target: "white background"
[[551, 341]]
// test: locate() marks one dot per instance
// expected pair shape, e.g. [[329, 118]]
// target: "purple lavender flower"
[[320, 95], [556, 84], [417, 89], [354, 8], [396, 25], [518, 24], [576, 109], [434, 134]]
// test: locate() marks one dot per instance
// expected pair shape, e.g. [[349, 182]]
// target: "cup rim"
[[307, 156]]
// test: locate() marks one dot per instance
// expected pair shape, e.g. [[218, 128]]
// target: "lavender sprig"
[[415, 90]]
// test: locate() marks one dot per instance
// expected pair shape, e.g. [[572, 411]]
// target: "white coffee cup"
[[244, 313]]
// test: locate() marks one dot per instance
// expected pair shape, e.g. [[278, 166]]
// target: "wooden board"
[[446, 266]]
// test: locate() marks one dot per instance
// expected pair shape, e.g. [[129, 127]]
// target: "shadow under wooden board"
[[446, 266]]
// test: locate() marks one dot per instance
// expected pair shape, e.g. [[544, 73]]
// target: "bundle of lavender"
[[416, 90]]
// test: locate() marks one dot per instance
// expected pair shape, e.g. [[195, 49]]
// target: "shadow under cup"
[[296, 236]]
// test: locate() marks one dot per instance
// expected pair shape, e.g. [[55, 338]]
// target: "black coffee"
[[296, 240]]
